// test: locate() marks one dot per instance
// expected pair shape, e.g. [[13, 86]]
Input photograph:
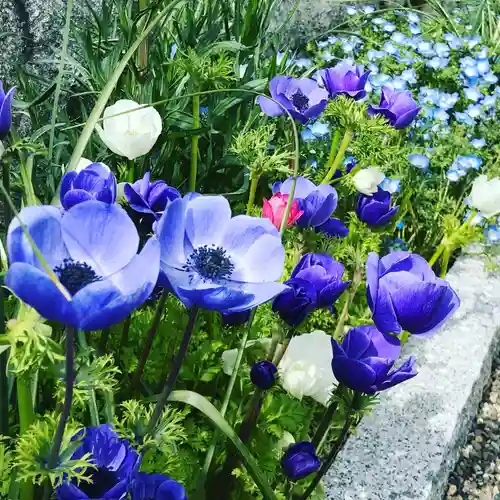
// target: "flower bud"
[[263, 374], [300, 460]]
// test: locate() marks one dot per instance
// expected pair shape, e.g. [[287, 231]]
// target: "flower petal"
[[354, 374], [207, 218], [66, 183], [44, 226], [36, 289], [75, 196], [135, 200], [269, 107], [107, 302], [102, 235], [303, 187]]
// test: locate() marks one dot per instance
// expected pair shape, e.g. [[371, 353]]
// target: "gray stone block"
[[410, 443]]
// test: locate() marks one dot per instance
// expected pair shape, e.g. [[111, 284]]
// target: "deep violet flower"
[[263, 374], [150, 197], [316, 281], [92, 249], [5, 111], [300, 460], [215, 261], [375, 210], [94, 182], [364, 360], [303, 98], [156, 487], [345, 79], [116, 464], [404, 294], [398, 108]]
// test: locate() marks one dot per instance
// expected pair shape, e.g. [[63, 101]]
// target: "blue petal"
[[101, 235], [207, 218], [303, 187], [75, 196], [269, 107], [135, 200], [36, 289], [105, 303], [254, 246], [170, 231], [66, 183], [44, 226]]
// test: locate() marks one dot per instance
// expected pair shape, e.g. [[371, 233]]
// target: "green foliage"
[[6, 466], [33, 449], [31, 346]]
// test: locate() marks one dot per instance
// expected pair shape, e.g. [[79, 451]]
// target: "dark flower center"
[[212, 263], [102, 481], [75, 275], [300, 101]]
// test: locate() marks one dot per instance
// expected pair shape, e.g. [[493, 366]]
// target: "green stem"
[[333, 147], [7, 212], [142, 53], [339, 156], [225, 403], [26, 418], [131, 171], [253, 189], [149, 340], [4, 381], [445, 261], [174, 373], [60, 73], [327, 463], [356, 280], [194, 144], [93, 410], [437, 254], [68, 397], [324, 425]]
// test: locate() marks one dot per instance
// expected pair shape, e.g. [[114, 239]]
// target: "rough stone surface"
[[31, 34], [407, 447]]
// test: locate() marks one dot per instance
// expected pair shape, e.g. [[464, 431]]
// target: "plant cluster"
[[167, 335]]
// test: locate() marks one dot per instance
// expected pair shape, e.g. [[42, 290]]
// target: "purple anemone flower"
[[116, 463], [303, 98], [94, 182], [375, 210], [364, 360], [345, 79], [5, 111], [404, 294], [150, 197], [156, 487], [398, 108], [300, 460], [315, 282]]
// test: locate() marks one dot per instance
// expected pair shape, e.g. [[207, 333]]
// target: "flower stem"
[[339, 156], [7, 212], [93, 410], [324, 425], [68, 397], [225, 404], [149, 340], [330, 458], [437, 254], [26, 418], [142, 52], [4, 382], [194, 144], [174, 373], [253, 188], [333, 147], [445, 261], [344, 315]]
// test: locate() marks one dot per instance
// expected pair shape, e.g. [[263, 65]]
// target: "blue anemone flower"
[[94, 182], [92, 249], [217, 262], [116, 463], [156, 487], [419, 161]]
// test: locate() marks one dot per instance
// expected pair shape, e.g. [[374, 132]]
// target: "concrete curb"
[[410, 443]]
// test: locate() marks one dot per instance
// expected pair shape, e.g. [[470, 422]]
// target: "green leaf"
[[225, 46], [229, 102], [209, 410]]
